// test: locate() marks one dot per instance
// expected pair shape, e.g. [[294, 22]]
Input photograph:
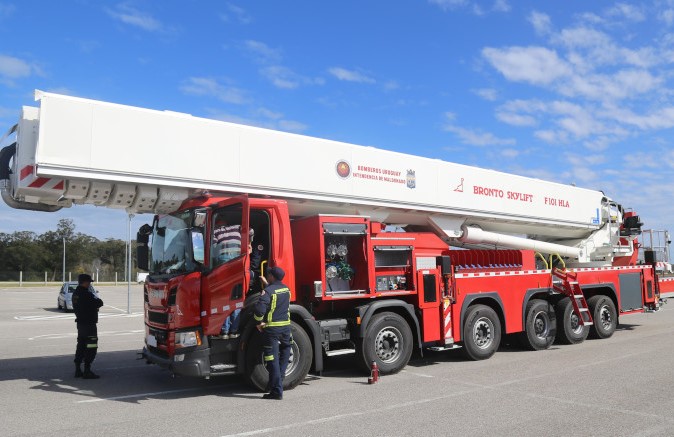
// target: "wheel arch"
[[605, 289], [299, 315], [538, 293], [490, 299], [402, 308]]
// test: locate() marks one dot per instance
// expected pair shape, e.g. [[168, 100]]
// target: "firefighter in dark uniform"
[[272, 313], [86, 306]]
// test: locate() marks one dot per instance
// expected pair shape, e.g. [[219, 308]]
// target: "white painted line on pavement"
[[72, 316], [423, 375], [74, 334], [375, 411], [118, 309], [156, 393]]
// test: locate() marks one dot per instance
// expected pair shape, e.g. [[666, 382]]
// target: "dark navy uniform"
[[273, 309], [86, 306]]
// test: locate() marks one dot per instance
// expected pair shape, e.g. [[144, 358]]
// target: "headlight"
[[187, 339]]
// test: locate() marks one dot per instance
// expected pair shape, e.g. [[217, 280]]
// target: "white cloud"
[[489, 94], [350, 75], [667, 16], [510, 153], [238, 13], [262, 51], [473, 6], [449, 4], [133, 17], [6, 10], [205, 86], [474, 137], [541, 22], [536, 65], [501, 6], [263, 117], [14, 68], [285, 78], [630, 12]]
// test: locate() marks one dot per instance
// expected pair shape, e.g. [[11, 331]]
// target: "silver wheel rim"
[[576, 327], [293, 359], [388, 344], [482, 333], [605, 317], [542, 324]]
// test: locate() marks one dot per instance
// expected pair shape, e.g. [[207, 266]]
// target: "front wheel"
[[388, 342], [301, 357], [481, 332], [604, 315]]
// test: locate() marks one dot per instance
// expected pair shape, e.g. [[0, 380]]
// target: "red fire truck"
[[385, 253]]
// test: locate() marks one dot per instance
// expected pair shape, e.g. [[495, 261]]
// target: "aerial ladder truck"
[[385, 253]]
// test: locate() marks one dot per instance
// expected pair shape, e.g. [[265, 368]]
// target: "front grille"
[[161, 336], [157, 317]]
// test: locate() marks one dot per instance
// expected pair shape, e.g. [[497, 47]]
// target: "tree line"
[[34, 254]]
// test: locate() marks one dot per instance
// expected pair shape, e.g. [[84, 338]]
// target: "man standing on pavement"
[[272, 313], [86, 306]]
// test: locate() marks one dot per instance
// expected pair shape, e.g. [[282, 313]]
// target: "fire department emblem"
[[411, 179], [343, 169]]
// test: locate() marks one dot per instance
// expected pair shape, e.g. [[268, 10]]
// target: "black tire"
[[388, 341], [571, 332], [540, 326], [256, 372], [481, 332], [604, 316]]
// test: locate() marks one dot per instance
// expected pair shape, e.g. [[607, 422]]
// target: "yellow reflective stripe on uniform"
[[283, 323], [272, 308], [258, 318], [269, 358], [92, 346]]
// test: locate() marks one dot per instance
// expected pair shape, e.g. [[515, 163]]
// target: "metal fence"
[[45, 278]]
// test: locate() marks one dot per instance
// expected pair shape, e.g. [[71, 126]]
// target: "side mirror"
[[199, 219], [142, 249]]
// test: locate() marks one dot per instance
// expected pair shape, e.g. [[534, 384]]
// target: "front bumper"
[[193, 363]]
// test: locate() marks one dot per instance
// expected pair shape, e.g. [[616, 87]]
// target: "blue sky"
[[569, 91]]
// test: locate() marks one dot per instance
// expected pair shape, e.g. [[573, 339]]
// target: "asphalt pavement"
[[621, 386]]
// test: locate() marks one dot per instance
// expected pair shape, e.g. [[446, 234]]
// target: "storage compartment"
[[331, 255]]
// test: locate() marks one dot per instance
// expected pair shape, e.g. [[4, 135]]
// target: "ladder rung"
[[573, 282], [583, 310], [587, 323], [578, 296]]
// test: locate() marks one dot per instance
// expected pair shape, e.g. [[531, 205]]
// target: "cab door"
[[224, 286], [428, 286]]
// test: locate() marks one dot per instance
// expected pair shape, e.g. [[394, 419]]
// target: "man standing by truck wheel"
[[86, 306], [272, 312]]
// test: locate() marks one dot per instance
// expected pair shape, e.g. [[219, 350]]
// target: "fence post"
[[45, 278], [115, 278], [70, 276], [21, 278]]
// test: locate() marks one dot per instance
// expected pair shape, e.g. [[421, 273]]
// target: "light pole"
[[128, 267], [64, 259]]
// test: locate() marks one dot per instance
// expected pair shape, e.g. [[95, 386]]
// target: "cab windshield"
[[171, 248]]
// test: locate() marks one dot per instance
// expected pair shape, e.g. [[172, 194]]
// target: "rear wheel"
[[388, 341], [481, 332], [540, 325], [571, 332], [604, 316], [301, 357]]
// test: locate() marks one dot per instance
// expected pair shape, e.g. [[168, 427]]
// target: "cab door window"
[[226, 244]]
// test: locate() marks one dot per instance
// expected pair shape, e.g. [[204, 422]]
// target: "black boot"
[[78, 370], [88, 374]]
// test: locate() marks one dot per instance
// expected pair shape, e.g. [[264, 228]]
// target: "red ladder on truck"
[[569, 287]]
